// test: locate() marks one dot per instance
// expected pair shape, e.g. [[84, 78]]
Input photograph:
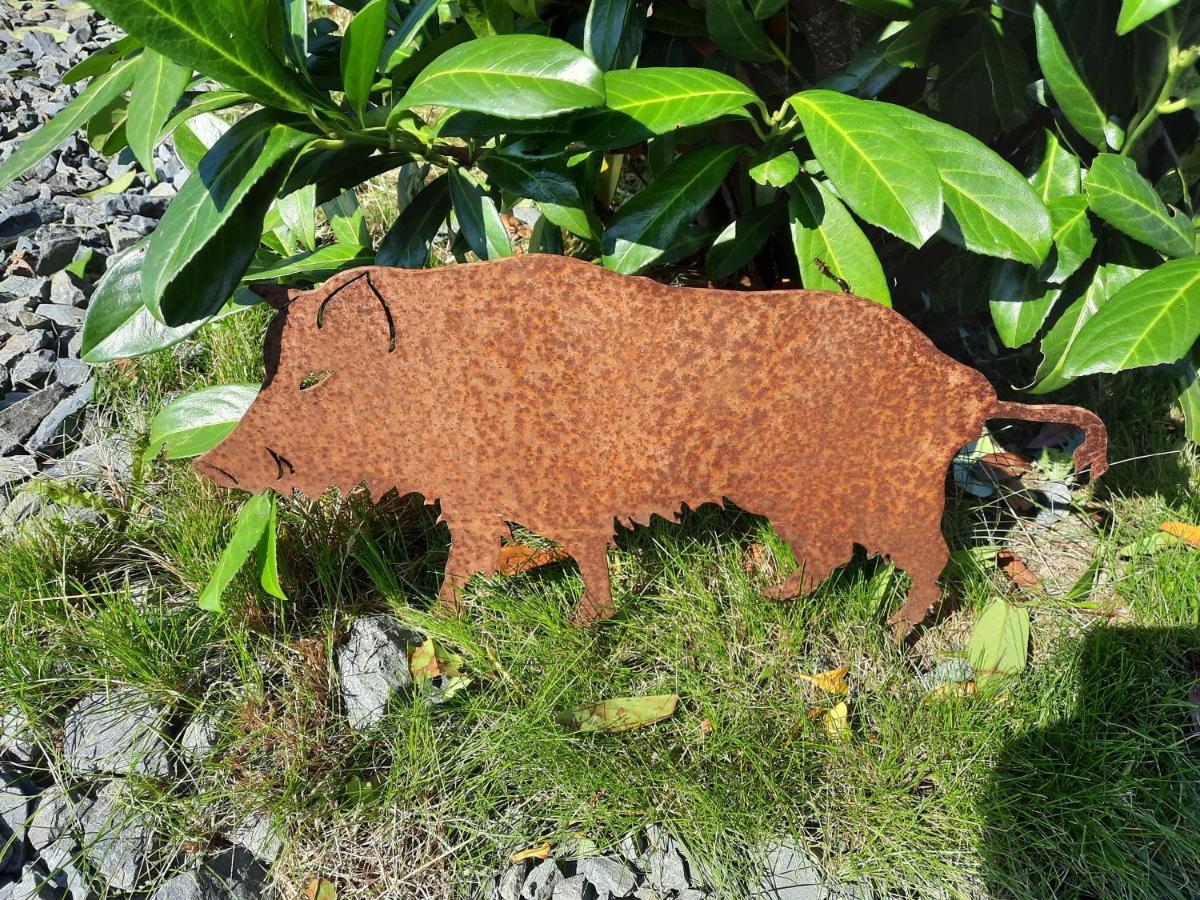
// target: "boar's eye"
[[312, 379]]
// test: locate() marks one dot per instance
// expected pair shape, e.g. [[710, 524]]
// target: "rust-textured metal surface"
[[551, 392]]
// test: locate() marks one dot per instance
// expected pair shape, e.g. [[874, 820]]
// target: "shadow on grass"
[[1105, 803]]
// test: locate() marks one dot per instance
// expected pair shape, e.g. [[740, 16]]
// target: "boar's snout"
[[214, 472]]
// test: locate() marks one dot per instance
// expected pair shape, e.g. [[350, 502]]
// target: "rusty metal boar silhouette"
[[551, 392]]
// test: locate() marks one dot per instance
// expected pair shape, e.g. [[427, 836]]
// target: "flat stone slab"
[[373, 665], [117, 839], [120, 732]]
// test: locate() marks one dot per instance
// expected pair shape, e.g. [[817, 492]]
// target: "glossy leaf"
[[1106, 281], [545, 237], [1120, 196], [877, 169], [612, 33], [743, 238], [268, 554], [118, 325], [408, 240], [1072, 93], [478, 218], [1136, 12], [157, 87], [252, 521], [1057, 173], [401, 39], [207, 38], [360, 51], [655, 101], [101, 61], [1008, 73], [777, 171], [213, 223], [994, 207], [1189, 396], [299, 213], [197, 422], [1152, 320], [999, 645], [316, 264], [828, 242], [96, 96], [620, 714], [518, 75], [1019, 302], [733, 28], [549, 183], [295, 32], [643, 228], [346, 219], [1073, 237]]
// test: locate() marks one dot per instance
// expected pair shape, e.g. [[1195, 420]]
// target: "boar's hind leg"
[[923, 565], [814, 563], [472, 550], [596, 604]]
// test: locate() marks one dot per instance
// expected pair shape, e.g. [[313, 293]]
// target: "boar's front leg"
[[923, 562], [596, 604], [472, 550]]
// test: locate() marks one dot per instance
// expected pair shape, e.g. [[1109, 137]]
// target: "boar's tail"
[[1091, 455]]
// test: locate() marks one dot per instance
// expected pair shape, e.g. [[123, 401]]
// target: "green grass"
[[1080, 782]]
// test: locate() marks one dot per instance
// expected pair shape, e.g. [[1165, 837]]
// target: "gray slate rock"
[[574, 888], [373, 665], [16, 806], [199, 737], [541, 881], [789, 874], [117, 839], [23, 506], [32, 368], [71, 372], [61, 314], [26, 416], [53, 827], [609, 875], [64, 291], [199, 885], [664, 863], [35, 884], [17, 741], [257, 833], [511, 881], [14, 470], [242, 874], [61, 423], [20, 344], [120, 732], [55, 247]]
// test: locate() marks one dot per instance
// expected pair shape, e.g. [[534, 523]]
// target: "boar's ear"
[[276, 295]]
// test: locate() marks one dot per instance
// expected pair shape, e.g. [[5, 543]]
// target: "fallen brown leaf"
[[1016, 570], [1011, 464]]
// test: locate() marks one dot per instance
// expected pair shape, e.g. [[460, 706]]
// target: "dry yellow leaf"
[[1183, 531], [319, 889], [832, 682], [837, 721], [539, 852], [953, 689]]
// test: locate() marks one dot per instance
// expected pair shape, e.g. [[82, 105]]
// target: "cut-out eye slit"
[[280, 462], [312, 379]]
